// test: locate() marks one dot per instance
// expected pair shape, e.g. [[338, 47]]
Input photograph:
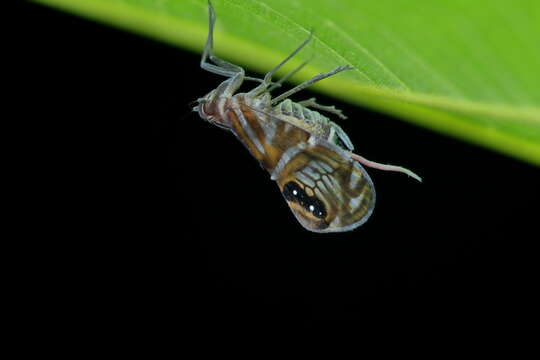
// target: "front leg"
[[220, 66], [223, 67]]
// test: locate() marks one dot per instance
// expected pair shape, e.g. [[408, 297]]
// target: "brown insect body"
[[264, 135], [308, 155], [332, 190]]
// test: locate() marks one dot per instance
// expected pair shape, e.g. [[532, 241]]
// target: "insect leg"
[[229, 86], [385, 167], [309, 82], [312, 103], [267, 81], [209, 49], [222, 67], [287, 76], [342, 136]]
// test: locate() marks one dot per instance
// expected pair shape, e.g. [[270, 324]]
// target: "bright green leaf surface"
[[466, 68]]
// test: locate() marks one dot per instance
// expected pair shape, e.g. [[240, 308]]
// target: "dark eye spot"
[[293, 192], [317, 208]]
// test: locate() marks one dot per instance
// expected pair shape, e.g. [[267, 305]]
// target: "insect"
[[309, 156]]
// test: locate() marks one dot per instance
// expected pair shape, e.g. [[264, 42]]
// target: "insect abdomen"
[[313, 122], [290, 108]]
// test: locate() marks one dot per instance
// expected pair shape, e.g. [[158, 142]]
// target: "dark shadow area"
[[171, 222]]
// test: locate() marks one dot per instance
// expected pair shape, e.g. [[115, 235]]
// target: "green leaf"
[[470, 69]]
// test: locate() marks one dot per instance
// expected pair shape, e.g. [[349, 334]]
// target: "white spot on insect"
[[311, 207], [295, 192]]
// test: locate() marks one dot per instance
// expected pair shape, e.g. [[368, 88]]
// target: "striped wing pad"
[[326, 190]]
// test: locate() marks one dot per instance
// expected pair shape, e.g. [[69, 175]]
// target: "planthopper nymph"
[[310, 157]]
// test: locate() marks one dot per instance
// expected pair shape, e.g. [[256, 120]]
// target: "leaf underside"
[[470, 69]]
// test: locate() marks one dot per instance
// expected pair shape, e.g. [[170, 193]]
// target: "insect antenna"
[[193, 103], [192, 107]]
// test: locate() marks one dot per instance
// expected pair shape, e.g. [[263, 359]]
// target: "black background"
[[166, 219]]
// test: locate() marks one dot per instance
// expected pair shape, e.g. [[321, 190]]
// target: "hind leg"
[[312, 103]]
